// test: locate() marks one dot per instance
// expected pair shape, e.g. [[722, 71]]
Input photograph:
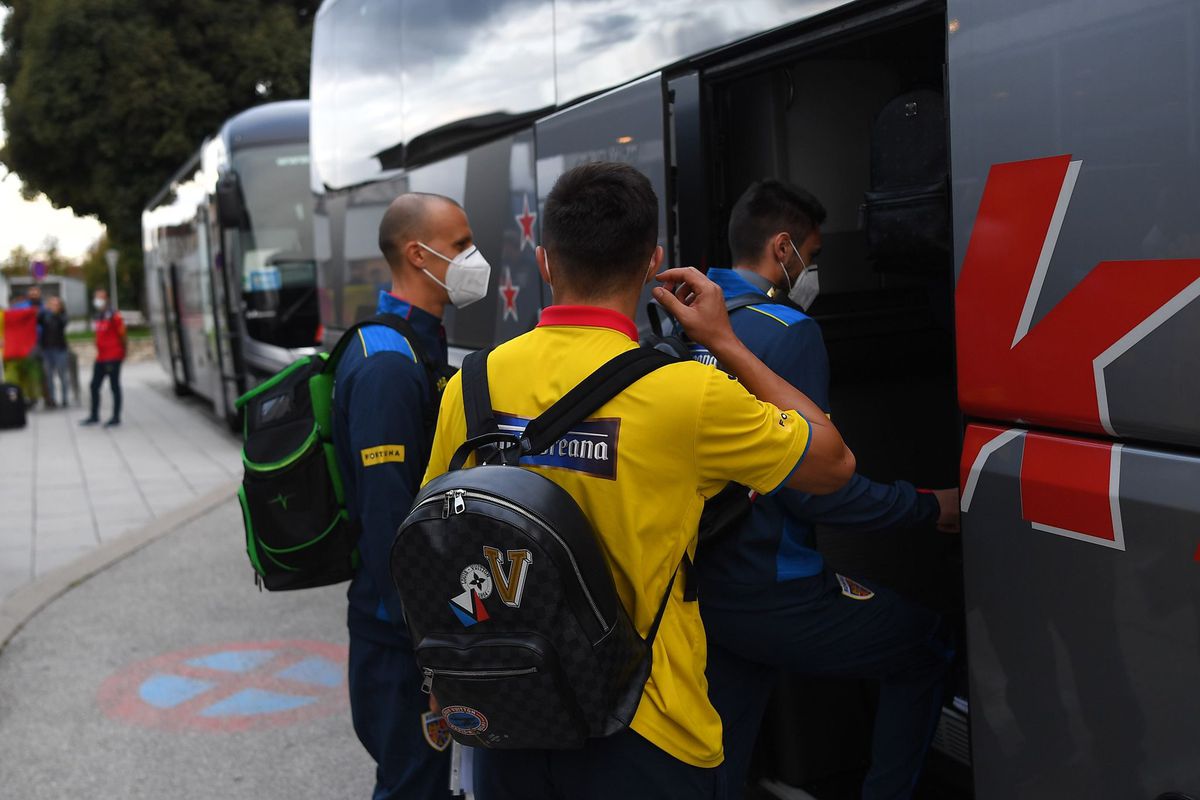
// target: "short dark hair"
[[600, 225], [766, 208]]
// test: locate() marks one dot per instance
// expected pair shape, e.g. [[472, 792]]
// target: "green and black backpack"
[[298, 531]]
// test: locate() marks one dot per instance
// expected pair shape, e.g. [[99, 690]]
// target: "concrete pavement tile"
[[50, 513], [160, 488], [16, 535], [65, 530], [49, 559], [60, 480], [111, 508], [16, 557], [112, 530], [206, 484], [112, 483], [16, 513], [65, 504], [165, 503], [57, 540], [10, 581], [13, 538]]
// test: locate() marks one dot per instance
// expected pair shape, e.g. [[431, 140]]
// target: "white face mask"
[[97, 304], [807, 286], [466, 278]]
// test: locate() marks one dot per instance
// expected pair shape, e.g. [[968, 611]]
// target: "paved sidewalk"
[[168, 675], [64, 489]]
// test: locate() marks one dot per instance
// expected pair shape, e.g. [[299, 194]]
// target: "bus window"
[[275, 245]]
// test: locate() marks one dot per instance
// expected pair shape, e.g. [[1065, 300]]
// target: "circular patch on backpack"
[[464, 719], [476, 578]]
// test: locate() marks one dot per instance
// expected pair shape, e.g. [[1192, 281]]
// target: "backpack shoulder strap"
[[604, 384], [483, 433], [613, 377], [732, 304], [395, 322], [477, 399]]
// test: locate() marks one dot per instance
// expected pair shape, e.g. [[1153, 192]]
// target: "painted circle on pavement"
[[230, 687]]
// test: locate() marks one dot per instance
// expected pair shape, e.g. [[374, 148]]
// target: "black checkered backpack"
[[514, 616]]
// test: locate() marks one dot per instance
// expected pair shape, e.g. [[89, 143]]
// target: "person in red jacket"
[[110, 352], [19, 334]]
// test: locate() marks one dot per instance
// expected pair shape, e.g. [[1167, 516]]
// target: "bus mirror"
[[230, 210]]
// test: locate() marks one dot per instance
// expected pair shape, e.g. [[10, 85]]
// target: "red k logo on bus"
[[1051, 373]]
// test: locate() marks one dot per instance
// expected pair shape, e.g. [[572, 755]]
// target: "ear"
[[779, 246], [543, 269], [414, 254], [656, 259]]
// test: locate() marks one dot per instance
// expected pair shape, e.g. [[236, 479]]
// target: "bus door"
[[1075, 169], [169, 285], [228, 386], [808, 111]]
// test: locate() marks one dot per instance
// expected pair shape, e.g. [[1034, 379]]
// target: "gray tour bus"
[[1010, 267], [230, 271]]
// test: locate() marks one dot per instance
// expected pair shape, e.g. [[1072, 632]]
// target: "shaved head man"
[[386, 392], [428, 243]]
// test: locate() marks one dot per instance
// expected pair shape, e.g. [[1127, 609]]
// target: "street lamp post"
[[111, 257]]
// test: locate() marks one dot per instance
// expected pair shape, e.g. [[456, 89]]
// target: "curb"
[[19, 607]]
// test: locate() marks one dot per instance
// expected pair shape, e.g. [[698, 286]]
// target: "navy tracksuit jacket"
[[382, 397], [769, 602]]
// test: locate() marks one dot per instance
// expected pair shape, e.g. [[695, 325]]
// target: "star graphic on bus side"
[[509, 291], [525, 219]]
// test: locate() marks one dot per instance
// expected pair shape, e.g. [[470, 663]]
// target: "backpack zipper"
[[459, 505], [477, 674], [457, 495]]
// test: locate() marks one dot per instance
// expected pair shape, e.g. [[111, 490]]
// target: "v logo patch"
[[510, 584]]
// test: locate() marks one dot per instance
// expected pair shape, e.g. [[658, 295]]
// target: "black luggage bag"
[[12, 406]]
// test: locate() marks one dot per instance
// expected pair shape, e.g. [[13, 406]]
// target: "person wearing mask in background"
[[384, 401], [110, 352], [53, 324], [683, 431], [768, 600]]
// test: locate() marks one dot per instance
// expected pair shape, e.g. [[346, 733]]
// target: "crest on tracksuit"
[[435, 730]]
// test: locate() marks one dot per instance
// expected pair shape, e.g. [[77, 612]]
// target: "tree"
[[106, 99], [16, 265]]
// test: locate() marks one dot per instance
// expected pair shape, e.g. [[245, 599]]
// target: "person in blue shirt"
[[768, 600], [385, 401]]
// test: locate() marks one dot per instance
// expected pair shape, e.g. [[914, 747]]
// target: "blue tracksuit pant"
[[811, 627], [387, 705], [623, 766]]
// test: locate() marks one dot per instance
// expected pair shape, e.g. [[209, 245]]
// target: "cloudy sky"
[[28, 224]]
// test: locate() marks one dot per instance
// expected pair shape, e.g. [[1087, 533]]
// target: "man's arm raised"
[[699, 305]]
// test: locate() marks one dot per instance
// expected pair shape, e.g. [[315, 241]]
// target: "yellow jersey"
[[640, 468]]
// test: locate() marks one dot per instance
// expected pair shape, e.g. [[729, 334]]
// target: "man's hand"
[[698, 304], [948, 510]]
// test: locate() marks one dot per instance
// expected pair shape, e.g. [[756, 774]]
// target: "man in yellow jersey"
[[675, 438]]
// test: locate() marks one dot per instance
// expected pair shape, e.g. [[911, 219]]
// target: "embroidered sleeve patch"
[[382, 454], [853, 589]]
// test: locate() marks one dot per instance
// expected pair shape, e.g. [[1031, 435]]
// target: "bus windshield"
[[279, 274]]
